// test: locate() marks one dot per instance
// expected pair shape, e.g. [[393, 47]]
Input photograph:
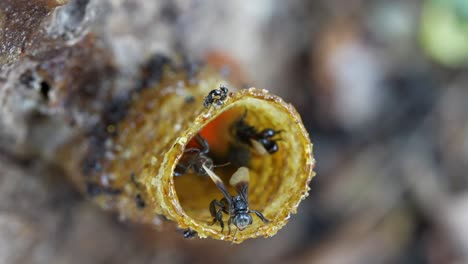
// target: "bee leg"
[[224, 92], [192, 150], [213, 205], [217, 214], [180, 170], [203, 143], [229, 225], [226, 205], [260, 215], [208, 100]]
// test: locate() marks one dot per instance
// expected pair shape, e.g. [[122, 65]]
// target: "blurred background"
[[382, 87]]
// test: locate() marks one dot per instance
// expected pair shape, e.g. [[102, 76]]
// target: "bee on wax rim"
[[216, 97], [237, 207], [189, 233]]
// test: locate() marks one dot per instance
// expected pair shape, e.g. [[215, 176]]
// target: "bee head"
[[242, 221]]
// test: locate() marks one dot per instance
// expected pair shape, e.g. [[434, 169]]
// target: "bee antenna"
[[244, 115], [222, 165], [234, 237]]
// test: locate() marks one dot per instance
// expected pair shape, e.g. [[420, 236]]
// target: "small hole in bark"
[[45, 89]]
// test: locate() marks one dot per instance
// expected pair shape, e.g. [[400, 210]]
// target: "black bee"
[[216, 96], [263, 142], [189, 233], [236, 207], [196, 159], [139, 201]]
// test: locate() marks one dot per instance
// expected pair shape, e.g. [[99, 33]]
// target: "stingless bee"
[[189, 233], [196, 158], [237, 207], [263, 142], [216, 96]]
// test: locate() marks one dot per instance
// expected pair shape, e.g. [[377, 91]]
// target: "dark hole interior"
[[45, 89]]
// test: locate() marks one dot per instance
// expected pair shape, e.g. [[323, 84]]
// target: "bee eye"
[[265, 142], [268, 133], [273, 148]]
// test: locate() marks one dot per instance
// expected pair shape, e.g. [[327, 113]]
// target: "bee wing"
[[259, 148], [218, 182], [240, 180]]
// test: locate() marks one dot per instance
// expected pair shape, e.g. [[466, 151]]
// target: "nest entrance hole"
[[195, 192]]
